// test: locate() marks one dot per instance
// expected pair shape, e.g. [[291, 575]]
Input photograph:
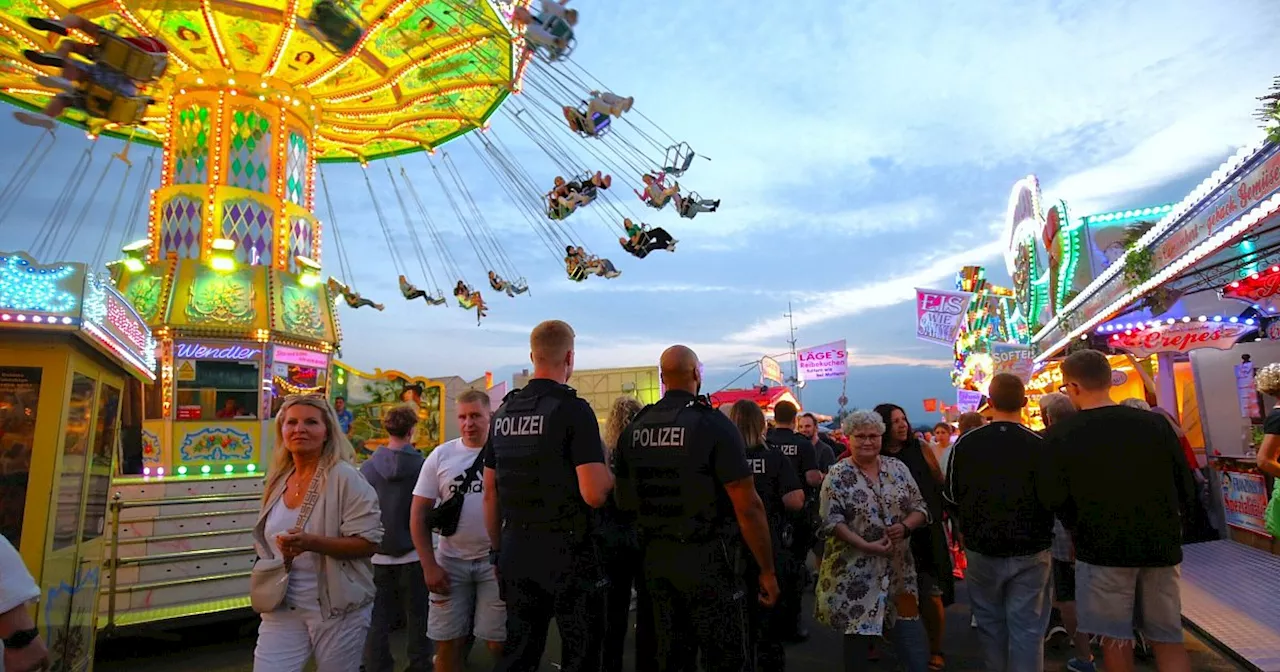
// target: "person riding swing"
[[351, 296]]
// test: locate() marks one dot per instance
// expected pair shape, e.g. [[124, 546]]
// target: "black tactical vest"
[[678, 497], [537, 485]]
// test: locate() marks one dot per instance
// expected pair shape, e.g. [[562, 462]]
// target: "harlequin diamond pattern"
[[250, 156], [180, 227], [191, 153], [296, 169], [300, 241], [249, 224]]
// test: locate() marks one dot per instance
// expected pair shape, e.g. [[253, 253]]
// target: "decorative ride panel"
[[180, 227], [249, 158], [249, 223]]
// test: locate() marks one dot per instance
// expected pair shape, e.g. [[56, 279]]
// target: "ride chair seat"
[[129, 59], [100, 101], [339, 30]]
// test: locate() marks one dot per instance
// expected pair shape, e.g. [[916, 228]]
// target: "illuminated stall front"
[[73, 358]]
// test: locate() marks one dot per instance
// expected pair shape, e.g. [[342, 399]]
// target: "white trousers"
[[288, 638]]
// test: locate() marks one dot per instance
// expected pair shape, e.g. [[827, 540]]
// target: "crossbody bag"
[[269, 580]]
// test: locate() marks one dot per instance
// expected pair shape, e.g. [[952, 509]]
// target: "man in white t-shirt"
[[464, 587]]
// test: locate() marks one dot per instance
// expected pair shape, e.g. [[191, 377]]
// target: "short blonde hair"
[[474, 396], [1268, 380], [550, 341]]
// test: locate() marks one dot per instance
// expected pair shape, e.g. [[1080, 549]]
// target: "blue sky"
[[860, 149]]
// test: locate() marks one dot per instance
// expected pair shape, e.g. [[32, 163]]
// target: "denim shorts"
[[473, 598], [1114, 601]]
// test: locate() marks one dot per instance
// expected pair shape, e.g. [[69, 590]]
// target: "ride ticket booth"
[[73, 358]]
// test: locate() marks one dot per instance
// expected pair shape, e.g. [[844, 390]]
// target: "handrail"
[[198, 499], [183, 555], [130, 541], [113, 563], [169, 583]]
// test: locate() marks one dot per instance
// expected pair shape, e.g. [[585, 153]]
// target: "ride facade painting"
[[370, 395]]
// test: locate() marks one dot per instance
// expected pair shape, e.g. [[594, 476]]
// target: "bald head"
[[679, 366]]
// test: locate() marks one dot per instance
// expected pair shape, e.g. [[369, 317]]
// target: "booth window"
[[19, 397], [99, 462], [220, 390]]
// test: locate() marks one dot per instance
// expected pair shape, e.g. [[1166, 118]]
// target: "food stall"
[[1190, 291], [766, 397], [73, 358]]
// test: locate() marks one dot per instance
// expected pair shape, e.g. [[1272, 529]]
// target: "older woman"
[[869, 506], [322, 518]]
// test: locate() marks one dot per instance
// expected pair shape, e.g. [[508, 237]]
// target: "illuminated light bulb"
[[1203, 318], [160, 471], [205, 469], [182, 471], [199, 80], [228, 469], [231, 81], [251, 468], [1249, 321], [1186, 319], [1234, 320], [146, 471], [1217, 318]]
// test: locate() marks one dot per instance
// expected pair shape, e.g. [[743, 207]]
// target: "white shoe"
[[973, 621], [671, 247], [37, 120], [612, 274]]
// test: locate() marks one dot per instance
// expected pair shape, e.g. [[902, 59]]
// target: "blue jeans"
[[1011, 601]]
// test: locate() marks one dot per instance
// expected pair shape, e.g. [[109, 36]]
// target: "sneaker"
[[612, 274], [47, 25], [671, 247], [1055, 631], [37, 120], [1077, 665]]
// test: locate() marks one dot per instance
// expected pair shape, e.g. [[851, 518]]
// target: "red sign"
[[190, 412], [1181, 337], [930, 405]]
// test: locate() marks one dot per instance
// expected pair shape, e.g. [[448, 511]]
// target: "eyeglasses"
[[866, 438], [1063, 387]]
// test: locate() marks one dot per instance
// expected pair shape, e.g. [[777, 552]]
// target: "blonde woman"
[[326, 607], [622, 557]]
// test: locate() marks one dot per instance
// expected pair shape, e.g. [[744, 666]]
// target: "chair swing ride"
[[337, 82]]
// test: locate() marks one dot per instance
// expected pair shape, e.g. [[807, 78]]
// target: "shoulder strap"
[[472, 473], [309, 501]]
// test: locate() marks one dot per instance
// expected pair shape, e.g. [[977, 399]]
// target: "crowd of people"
[[703, 523]]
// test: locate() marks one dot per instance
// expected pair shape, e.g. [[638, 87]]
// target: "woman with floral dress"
[[867, 582]]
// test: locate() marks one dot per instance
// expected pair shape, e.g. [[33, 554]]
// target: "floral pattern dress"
[[856, 590]]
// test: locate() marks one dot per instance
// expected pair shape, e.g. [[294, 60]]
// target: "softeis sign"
[[1181, 337]]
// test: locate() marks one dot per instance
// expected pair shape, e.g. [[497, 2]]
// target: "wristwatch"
[[21, 639]]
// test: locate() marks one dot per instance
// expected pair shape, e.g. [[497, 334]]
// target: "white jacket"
[[16, 585], [348, 507]]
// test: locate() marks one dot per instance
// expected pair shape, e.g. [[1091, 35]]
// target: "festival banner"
[[830, 360], [770, 370], [939, 314], [1244, 498], [1247, 391], [968, 401], [1012, 358], [930, 405]]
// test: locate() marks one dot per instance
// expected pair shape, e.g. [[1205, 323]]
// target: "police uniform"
[[774, 478], [673, 463], [793, 574], [549, 562]]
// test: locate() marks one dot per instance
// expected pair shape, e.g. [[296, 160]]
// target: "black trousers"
[[765, 637], [623, 564], [698, 605], [549, 575], [401, 591]]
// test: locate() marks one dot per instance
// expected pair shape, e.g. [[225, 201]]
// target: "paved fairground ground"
[[228, 647]]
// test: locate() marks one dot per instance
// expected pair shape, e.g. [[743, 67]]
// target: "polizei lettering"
[[527, 425], [658, 437], [757, 465]]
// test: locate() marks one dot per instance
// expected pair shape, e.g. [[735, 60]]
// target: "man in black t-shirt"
[[993, 485], [1122, 487]]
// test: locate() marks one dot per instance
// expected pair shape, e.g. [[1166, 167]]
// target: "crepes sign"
[[1181, 337]]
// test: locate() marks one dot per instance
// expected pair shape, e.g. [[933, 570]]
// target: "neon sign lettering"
[[230, 351], [125, 324]]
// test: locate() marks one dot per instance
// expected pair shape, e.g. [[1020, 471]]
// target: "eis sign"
[[1181, 337]]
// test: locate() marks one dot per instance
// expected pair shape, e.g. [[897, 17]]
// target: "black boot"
[[47, 25], [41, 58]]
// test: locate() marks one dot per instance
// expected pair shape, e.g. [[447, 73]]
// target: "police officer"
[[682, 468], [794, 571], [544, 475], [780, 491]]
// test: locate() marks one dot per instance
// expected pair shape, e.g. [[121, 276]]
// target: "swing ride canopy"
[[424, 73]]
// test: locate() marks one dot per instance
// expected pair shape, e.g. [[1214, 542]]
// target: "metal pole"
[[113, 564], [795, 361]]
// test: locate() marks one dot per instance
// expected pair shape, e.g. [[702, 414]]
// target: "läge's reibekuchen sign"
[[1181, 337]]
